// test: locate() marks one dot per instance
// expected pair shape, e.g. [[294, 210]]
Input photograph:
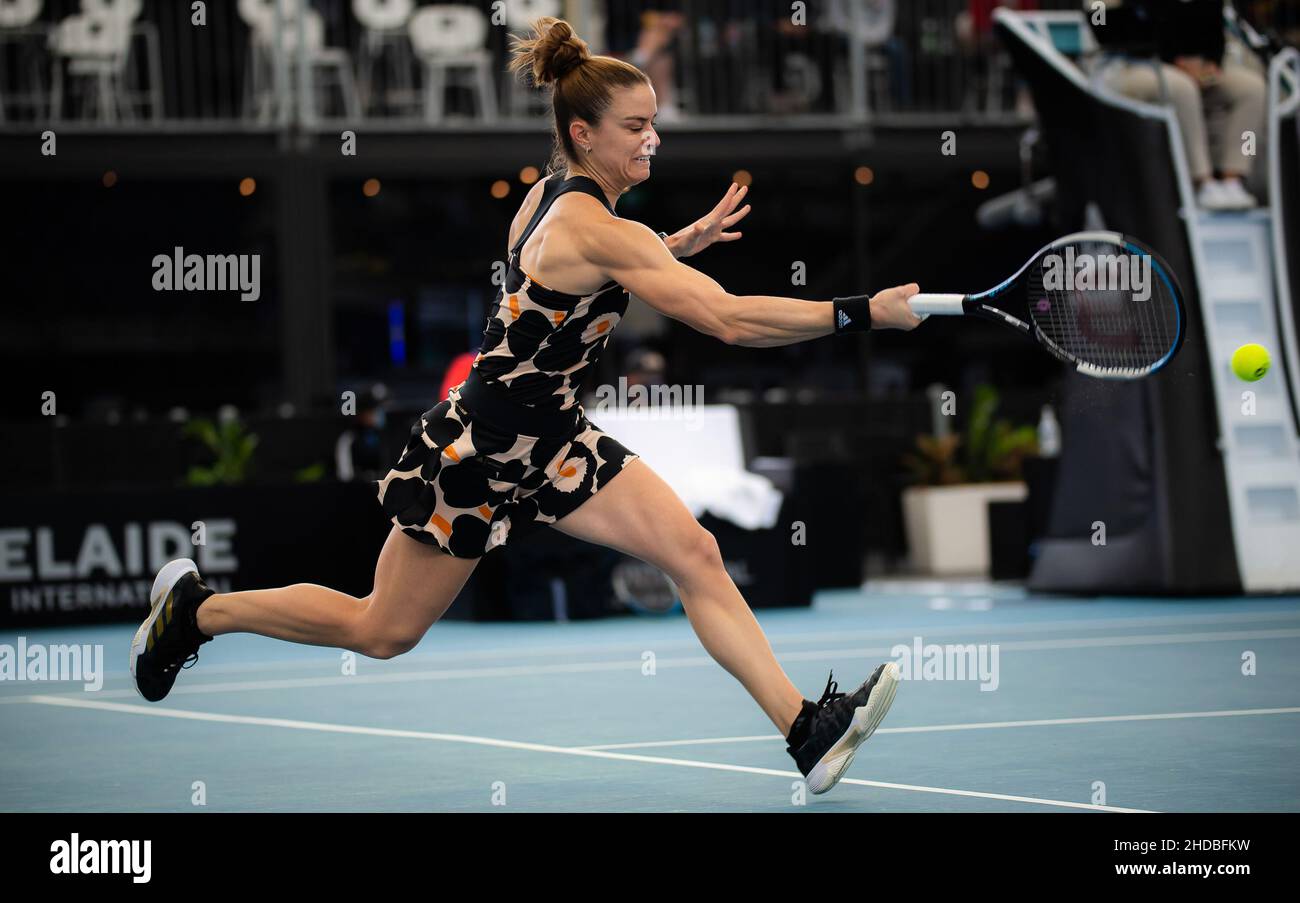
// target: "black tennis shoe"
[[169, 639], [840, 723]]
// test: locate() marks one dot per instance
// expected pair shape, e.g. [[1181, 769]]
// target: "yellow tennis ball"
[[1250, 362]]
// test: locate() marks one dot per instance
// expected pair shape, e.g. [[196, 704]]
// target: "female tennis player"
[[510, 450]]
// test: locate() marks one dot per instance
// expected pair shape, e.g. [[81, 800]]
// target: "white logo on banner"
[[106, 568]]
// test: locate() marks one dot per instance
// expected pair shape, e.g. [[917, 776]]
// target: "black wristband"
[[852, 314]]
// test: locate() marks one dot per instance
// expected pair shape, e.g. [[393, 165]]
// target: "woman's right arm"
[[633, 256]]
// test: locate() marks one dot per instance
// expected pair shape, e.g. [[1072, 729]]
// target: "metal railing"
[[258, 64]]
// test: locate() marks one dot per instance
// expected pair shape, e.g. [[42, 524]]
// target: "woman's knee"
[[385, 647], [374, 639], [697, 555]]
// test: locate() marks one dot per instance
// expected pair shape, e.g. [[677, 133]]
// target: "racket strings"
[[1107, 324]]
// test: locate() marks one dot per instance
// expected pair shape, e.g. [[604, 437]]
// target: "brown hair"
[[581, 84]]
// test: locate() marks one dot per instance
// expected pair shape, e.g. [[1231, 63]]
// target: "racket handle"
[[944, 305]]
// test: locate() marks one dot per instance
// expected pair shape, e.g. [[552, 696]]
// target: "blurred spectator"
[[801, 73], [873, 22], [358, 453], [642, 366], [105, 409], [457, 370], [645, 367], [1215, 100], [644, 35], [1283, 17], [979, 16], [974, 29]]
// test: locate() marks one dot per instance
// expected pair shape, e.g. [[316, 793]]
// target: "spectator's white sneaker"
[[1210, 196], [1236, 195], [1219, 195]]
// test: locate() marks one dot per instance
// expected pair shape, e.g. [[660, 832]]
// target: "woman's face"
[[626, 140]]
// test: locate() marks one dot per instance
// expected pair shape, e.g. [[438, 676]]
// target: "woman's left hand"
[[708, 229]]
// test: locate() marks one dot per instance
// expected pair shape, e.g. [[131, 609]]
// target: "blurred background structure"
[[371, 155]]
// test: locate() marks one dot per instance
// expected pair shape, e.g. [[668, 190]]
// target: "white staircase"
[[1233, 255], [1239, 270]]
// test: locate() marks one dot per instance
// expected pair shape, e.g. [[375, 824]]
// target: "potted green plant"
[[231, 446], [945, 513]]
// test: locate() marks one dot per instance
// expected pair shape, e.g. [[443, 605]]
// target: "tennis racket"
[[1101, 301]]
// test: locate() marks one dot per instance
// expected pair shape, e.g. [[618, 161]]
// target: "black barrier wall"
[[93, 560], [92, 556], [1157, 451]]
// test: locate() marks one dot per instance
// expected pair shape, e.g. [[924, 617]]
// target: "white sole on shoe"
[[171, 572], [827, 773]]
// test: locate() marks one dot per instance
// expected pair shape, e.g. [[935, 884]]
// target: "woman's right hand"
[[890, 310]]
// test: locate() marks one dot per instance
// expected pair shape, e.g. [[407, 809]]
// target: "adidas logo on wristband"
[[852, 314]]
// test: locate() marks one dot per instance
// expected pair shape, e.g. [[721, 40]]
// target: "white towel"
[[699, 456]]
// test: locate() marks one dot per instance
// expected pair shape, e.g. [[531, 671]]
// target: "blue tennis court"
[[1113, 704]]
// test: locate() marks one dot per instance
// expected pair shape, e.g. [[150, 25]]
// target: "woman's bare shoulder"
[[534, 196], [573, 210], [526, 210], [578, 207]]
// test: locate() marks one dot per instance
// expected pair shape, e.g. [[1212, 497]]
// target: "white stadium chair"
[[301, 38], [449, 40], [871, 25], [129, 11], [385, 44], [94, 48], [19, 27], [521, 98]]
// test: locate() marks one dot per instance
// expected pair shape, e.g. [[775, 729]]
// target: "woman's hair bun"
[[552, 53]]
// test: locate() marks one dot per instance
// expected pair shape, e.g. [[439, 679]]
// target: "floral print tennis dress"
[[510, 449]]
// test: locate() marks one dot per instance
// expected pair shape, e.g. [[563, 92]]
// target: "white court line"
[[691, 641], [976, 725], [537, 747], [635, 663]]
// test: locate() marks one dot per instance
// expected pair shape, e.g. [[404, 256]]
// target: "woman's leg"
[[1235, 105], [1141, 82], [638, 514], [414, 585]]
